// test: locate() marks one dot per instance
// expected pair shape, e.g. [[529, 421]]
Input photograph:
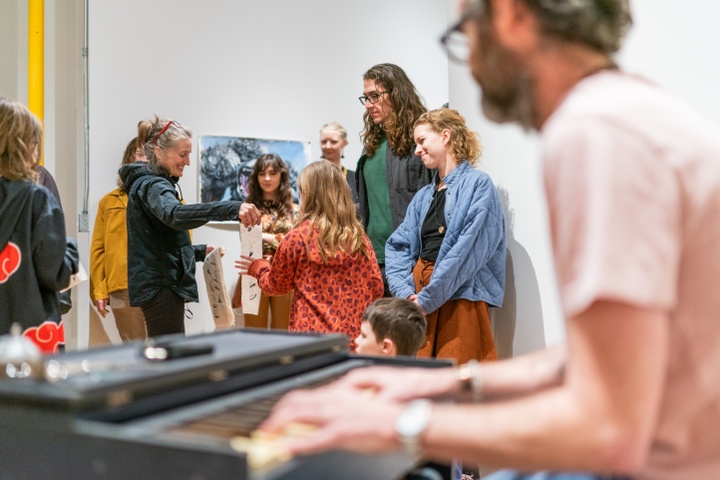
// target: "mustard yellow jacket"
[[108, 251]]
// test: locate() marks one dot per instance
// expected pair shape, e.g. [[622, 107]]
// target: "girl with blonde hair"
[[326, 258]]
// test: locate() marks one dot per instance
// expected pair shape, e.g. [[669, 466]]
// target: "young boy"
[[396, 326], [390, 327]]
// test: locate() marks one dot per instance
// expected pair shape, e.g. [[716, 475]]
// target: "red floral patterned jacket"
[[329, 297]]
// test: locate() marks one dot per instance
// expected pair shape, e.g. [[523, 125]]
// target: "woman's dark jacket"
[[36, 259], [405, 176], [160, 253]]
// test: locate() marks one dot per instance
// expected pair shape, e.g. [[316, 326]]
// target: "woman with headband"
[[161, 257]]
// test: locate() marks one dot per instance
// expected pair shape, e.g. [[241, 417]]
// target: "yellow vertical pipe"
[[36, 61]]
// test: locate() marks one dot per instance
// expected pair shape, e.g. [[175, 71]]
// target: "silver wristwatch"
[[411, 423]]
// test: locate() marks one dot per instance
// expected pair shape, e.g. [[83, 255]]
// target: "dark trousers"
[[164, 313], [386, 288]]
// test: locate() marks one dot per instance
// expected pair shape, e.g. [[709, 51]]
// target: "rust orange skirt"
[[459, 329]]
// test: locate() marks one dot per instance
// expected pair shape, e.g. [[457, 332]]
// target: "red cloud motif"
[[10, 259], [48, 336]]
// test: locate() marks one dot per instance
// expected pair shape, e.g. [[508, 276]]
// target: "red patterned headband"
[[164, 129]]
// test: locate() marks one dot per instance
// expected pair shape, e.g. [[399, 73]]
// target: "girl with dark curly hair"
[[269, 191]]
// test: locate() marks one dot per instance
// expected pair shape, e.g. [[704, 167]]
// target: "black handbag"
[[65, 301]]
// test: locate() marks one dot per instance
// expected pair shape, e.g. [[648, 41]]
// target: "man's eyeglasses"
[[455, 41], [373, 98]]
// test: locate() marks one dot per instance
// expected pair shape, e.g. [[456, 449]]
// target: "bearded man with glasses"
[[388, 173], [632, 179]]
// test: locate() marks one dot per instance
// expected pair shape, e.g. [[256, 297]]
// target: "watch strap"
[[412, 423]]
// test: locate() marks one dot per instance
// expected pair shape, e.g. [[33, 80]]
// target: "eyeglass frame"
[[365, 98], [474, 10]]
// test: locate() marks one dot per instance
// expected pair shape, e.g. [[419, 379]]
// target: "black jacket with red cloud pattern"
[[36, 259]]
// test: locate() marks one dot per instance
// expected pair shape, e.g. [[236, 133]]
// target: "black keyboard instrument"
[[171, 410]]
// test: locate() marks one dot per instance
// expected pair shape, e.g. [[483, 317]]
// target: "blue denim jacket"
[[471, 261]]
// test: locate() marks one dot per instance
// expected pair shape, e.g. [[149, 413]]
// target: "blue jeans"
[[514, 475]]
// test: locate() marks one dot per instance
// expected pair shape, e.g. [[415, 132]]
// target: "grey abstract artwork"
[[227, 162]]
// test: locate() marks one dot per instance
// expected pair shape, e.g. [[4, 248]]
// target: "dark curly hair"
[[284, 197], [407, 106]]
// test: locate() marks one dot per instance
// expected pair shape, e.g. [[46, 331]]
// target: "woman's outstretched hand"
[[249, 215]]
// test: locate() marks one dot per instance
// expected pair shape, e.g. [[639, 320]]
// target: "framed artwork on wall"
[[227, 162]]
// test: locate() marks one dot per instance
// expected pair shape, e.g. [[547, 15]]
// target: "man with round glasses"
[[632, 180], [388, 173]]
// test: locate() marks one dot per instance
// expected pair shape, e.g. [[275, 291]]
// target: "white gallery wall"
[[282, 68], [277, 69]]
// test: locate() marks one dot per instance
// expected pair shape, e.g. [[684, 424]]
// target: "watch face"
[[405, 424], [414, 419]]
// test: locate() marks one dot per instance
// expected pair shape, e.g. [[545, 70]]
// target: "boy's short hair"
[[400, 320]]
